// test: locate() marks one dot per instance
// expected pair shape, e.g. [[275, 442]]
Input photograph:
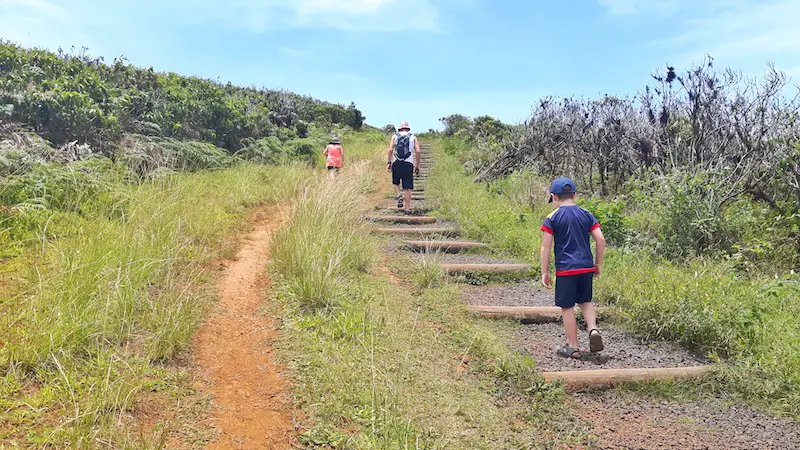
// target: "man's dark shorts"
[[403, 171], [574, 290]]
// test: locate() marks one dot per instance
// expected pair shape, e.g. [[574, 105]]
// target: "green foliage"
[[318, 250], [353, 117], [76, 98], [269, 150], [481, 217], [429, 273], [455, 123], [73, 187], [707, 307], [705, 303], [123, 287], [488, 127], [611, 216], [147, 154]]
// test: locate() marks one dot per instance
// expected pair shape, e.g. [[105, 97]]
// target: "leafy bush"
[[610, 214], [77, 98], [268, 150], [72, 187], [145, 155]]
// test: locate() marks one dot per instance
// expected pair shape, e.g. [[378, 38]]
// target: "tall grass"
[[378, 363], [510, 227], [125, 289], [704, 304], [322, 244]]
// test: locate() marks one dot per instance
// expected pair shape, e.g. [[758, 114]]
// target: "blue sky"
[[419, 60]]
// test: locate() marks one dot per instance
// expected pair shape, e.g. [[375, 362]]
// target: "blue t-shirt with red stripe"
[[571, 227]]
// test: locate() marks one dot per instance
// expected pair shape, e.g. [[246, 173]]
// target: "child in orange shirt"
[[334, 156]]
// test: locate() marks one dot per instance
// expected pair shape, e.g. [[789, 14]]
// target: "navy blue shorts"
[[574, 290], [403, 171]]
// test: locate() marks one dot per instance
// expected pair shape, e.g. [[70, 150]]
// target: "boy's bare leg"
[[407, 203], [589, 315], [396, 190], [570, 326], [595, 339]]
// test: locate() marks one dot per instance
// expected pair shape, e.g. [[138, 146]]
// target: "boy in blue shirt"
[[569, 228]]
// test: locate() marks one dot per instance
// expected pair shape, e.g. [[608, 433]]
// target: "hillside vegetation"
[[105, 256], [697, 185], [67, 98]]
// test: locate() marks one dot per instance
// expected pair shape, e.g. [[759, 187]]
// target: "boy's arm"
[[600, 240], [547, 246]]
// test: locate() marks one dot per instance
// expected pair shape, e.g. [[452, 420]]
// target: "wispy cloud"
[[292, 51], [22, 19], [738, 32], [349, 15], [631, 7]]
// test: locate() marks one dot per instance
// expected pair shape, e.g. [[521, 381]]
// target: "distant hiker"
[[570, 226], [403, 162], [334, 156]]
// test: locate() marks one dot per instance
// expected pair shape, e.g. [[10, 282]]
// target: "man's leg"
[[407, 204], [396, 190]]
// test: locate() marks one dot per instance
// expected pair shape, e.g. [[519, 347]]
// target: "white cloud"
[[741, 33], [630, 7], [349, 15], [43, 22]]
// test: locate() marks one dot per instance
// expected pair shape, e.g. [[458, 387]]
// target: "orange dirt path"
[[251, 399]]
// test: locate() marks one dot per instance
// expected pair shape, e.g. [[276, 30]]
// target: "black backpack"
[[402, 147]]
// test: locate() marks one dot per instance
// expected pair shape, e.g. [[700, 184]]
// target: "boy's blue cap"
[[562, 186]]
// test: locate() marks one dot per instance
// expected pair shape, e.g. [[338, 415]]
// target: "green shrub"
[[318, 250], [429, 272], [610, 214], [145, 155], [269, 150], [77, 98]]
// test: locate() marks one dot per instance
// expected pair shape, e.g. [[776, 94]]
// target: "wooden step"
[[490, 268], [535, 314], [444, 231], [443, 246], [414, 196], [575, 380], [413, 220]]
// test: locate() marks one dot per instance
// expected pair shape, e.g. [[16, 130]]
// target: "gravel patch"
[[623, 422], [461, 258], [623, 350], [525, 293]]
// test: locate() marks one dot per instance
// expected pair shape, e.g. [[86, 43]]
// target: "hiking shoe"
[[568, 352], [399, 201], [595, 341]]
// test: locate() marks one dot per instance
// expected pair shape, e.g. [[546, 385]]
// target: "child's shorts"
[[574, 290]]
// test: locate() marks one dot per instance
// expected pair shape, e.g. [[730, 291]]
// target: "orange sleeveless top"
[[333, 153]]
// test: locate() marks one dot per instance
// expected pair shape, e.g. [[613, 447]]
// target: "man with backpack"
[[403, 161]]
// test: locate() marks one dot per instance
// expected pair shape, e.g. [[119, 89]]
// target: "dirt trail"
[[251, 404]]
